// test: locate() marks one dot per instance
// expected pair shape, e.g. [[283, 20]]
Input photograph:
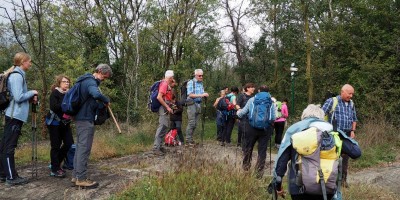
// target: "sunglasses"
[[200, 75]]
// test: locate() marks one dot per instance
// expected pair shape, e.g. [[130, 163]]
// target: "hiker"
[[221, 114], [241, 102], [58, 124], [296, 138], [84, 122], [164, 97], [279, 124], [231, 119], [343, 116], [195, 93], [176, 117], [262, 100], [16, 114]]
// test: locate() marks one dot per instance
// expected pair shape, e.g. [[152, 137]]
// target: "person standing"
[[344, 117], [241, 102], [195, 93], [16, 114], [231, 119], [312, 117], [59, 126], [257, 135], [220, 120], [280, 121], [176, 118], [164, 97], [84, 122]]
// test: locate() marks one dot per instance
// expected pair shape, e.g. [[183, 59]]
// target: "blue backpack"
[[72, 101], [261, 113], [153, 104]]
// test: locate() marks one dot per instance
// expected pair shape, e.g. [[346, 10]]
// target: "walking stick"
[[203, 120], [115, 120], [34, 139], [270, 152]]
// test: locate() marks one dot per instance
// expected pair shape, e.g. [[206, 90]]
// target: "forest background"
[[331, 42]]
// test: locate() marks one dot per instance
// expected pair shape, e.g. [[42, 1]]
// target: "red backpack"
[[170, 138]]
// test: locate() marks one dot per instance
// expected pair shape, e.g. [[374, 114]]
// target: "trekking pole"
[[270, 153], [34, 138], [115, 120], [203, 120]]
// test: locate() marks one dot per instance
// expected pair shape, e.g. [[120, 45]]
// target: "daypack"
[[184, 96], [5, 97], [260, 114], [318, 161], [278, 109], [69, 159], [73, 101], [153, 104], [170, 138]]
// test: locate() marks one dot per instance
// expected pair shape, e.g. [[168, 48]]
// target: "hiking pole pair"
[[34, 137]]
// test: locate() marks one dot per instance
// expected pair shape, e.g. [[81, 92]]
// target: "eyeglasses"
[[200, 75]]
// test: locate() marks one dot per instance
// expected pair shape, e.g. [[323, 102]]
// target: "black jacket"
[[177, 116]]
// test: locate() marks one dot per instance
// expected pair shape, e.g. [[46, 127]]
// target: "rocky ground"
[[116, 174]]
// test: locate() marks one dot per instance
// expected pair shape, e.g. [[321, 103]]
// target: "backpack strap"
[[322, 183]]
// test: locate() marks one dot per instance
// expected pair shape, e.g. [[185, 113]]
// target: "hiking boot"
[[222, 144], [73, 182], [87, 184], [164, 150], [58, 174], [345, 184], [3, 179], [16, 181], [158, 152]]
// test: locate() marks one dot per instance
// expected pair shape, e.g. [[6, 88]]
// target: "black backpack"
[[184, 95]]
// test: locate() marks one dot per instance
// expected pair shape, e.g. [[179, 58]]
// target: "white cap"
[[169, 73]]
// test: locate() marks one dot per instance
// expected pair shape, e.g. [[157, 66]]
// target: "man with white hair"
[[342, 114], [195, 93], [164, 97], [312, 116]]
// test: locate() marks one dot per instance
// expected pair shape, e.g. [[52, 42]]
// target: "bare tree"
[[32, 19]]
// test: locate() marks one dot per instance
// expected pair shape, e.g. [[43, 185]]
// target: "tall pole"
[[292, 110]]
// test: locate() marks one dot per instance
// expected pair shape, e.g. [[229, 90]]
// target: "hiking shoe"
[[59, 174], [345, 184], [3, 179], [87, 184], [16, 181], [222, 144], [158, 152], [164, 150]]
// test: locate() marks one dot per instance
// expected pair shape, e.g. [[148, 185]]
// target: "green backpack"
[[278, 109]]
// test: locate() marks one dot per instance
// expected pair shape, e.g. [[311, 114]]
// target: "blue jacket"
[[19, 104], [90, 93]]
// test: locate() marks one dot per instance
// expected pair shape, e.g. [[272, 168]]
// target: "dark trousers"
[[252, 136], [279, 126], [345, 161], [242, 132], [220, 132], [60, 141], [230, 123], [12, 131], [178, 126]]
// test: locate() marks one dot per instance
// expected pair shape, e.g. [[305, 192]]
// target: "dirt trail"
[[117, 173]]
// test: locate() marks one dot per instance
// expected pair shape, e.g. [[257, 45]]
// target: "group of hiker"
[[315, 151], [318, 147], [170, 109], [88, 100]]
